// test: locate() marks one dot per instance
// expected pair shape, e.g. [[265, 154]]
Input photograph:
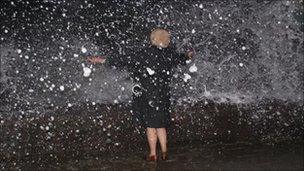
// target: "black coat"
[[151, 70]]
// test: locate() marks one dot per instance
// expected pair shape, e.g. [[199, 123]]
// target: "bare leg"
[[162, 136], [152, 139]]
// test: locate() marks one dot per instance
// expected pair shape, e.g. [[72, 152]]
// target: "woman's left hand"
[[190, 53]]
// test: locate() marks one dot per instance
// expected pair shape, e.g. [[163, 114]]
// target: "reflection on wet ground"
[[239, 156]]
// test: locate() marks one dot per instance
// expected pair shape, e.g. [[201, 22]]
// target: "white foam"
[[83, 50], [86, 72], [193, 68], [150, 71], [186, 77], [61, 88]]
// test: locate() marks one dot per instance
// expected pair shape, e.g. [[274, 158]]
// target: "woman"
[[151, 70]]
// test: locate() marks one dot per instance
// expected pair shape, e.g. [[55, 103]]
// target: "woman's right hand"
[[96, 59]]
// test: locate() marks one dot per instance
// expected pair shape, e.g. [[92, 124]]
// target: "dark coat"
[[151, 69]]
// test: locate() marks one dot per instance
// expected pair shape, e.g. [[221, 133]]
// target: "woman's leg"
[[152, 139], [162, 136]]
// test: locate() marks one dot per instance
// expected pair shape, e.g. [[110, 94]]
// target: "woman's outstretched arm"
[[181, 58], [116, 61], [96, 59]]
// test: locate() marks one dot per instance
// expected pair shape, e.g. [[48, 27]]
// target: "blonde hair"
[[160, 38]]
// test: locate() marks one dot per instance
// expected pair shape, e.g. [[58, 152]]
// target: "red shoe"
[[152, 158]]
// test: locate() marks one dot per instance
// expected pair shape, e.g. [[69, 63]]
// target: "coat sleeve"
[[178, 58], [120, 62]]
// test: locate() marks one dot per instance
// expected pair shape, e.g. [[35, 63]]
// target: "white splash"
[[83, 50], [61, 88], [86, 72], [187, 77], [207, 93], [193, 68], [150, 71]]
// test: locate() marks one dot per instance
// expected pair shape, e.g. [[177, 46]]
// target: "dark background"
[[248, 85]]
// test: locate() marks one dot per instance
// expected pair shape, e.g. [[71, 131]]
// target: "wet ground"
[[103, 137], [238, 156]]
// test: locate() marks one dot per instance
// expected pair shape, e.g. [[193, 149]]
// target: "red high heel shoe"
[[152, 158]]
